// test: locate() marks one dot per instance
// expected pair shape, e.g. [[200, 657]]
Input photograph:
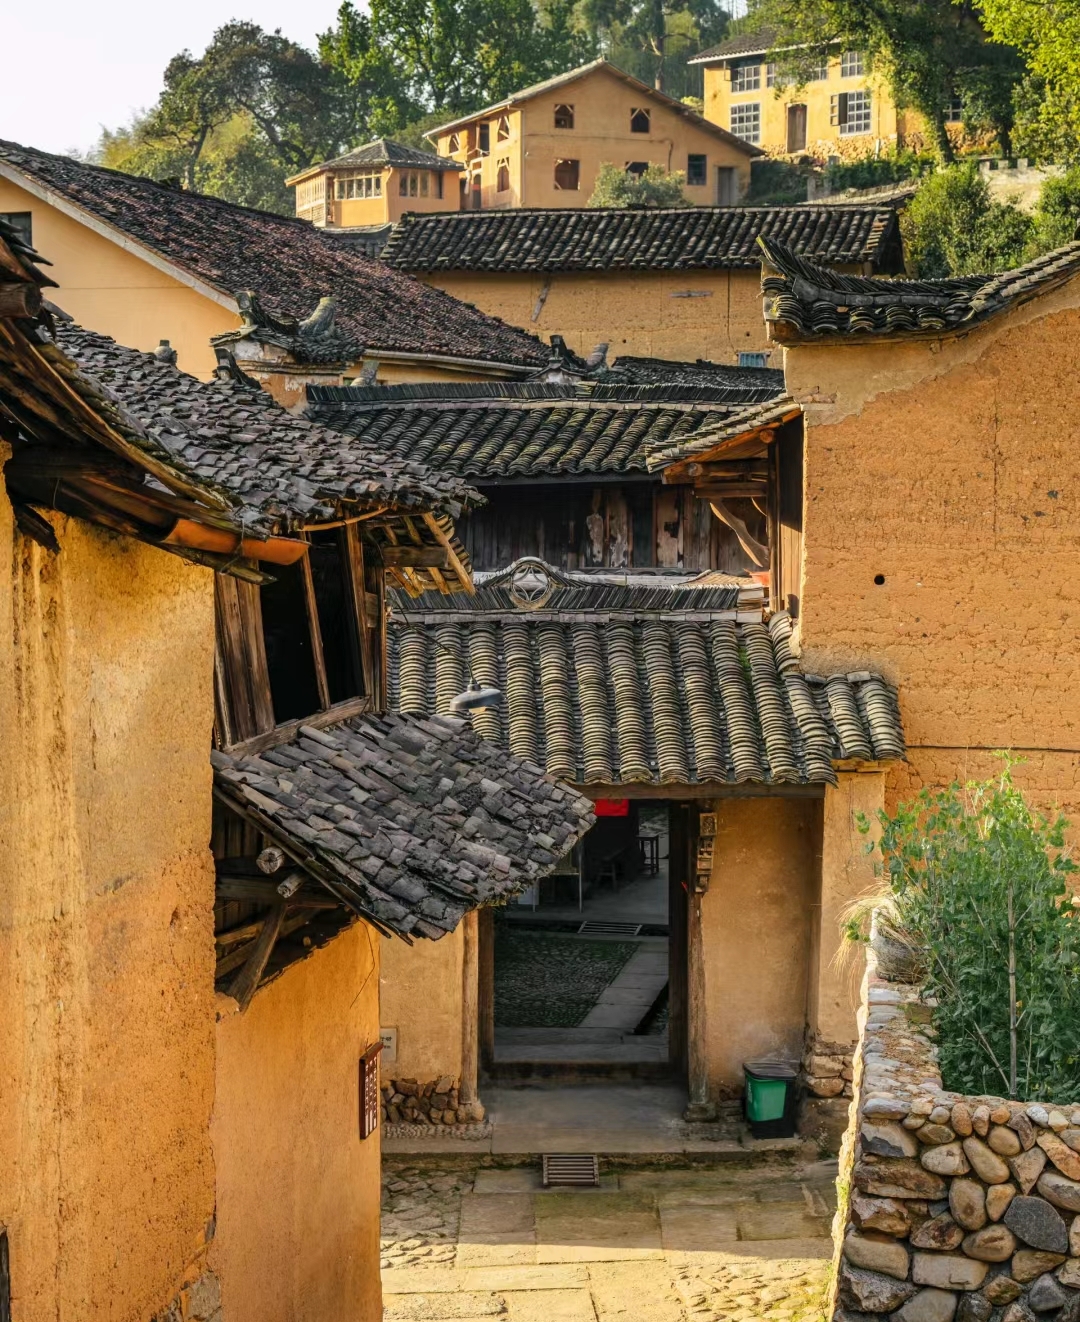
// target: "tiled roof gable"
[[287, 262]]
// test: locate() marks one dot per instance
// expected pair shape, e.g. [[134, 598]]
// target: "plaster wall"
[[421, 993], [106, 933], [298, 1189], [602, 106], [391, 205], [683, 315], [108, 289], [757, 930], [951, 469]]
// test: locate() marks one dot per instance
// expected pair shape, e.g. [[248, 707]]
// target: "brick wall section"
[[952, 1208]]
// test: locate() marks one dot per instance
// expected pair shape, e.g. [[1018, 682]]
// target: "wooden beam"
[[315, 632], [729, 490], [470, 1005], [753, 548], [243, 986], [415, 557], [282, 734], [266, 892], [464, 576], [713, 789], [22, 300]]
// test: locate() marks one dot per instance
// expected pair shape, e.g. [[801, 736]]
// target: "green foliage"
[[952, 226], [928, 52], [1048, 37], [980, 883], [653, 39], [877, 171], [776, 183], [656, 187], [1058, 212]]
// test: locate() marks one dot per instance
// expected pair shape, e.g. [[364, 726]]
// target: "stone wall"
[[436, 1102], [952, 1208]]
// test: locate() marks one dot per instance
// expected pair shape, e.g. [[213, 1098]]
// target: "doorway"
[[586, 970], [727, 186], [796, 128]]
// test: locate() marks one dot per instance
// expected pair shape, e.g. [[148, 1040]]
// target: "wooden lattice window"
[[640, 120], [568, 175], [369, 1090], [564, 116]]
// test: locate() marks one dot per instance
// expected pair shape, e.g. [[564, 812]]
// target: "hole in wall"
[[879, 579]]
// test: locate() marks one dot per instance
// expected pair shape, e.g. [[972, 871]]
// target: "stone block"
[[948, 1271], [1029, 1263], [991, 1244], [933, 1135], [889, 1215], [1064, 1158], [940, 1233], [1025, 1130], [1018, 1312], [1027, 1167], [1037, 1224], [877, 1253], [974, 1308], [1074, 1238], [1046, 1295], [1003, 1290], [898, 1178], [961, 1119], [1060, 1190], [928, 1306], [870, 1292], [887, 1139], [967, 1202], [1005, 1142], [948, 1159], [986, 1164], [980, 1120], [998, 1198]]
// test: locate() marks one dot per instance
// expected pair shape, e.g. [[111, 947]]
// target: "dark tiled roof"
[[274, 471], [751, 43], [384, 151], [289, 263], [603, 692], [499, 430], [804, 301], [664, 371], [644, 239], [411, 821], [776, 410]]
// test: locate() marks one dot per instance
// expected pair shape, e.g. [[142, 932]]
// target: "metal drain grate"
[[571, 1168], [592, 927]]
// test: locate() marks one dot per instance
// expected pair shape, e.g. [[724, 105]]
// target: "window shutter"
[[838, 109]]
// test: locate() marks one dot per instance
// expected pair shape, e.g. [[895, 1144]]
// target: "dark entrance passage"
[[586, 971]]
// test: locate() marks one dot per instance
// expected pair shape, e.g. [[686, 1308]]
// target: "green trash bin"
[[771, 1097]]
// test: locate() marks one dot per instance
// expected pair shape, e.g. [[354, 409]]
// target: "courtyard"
[[723, 1242]]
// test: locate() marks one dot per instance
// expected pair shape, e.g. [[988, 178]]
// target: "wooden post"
[[486, 994], [470, 1005], [700, 1107]]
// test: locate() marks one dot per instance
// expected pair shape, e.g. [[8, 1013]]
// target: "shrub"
[[953, 226], [1058, 212], [657, 187], [980, 885], [877, 171]]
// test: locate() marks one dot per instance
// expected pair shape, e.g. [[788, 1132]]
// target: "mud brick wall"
[[952, 1208]]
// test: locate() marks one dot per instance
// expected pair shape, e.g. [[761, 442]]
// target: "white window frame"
[[852, 64], [358, 186], [746, 115], [858, 117], [746, 77]]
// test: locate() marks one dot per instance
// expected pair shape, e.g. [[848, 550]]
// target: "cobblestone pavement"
[[715, 1244]]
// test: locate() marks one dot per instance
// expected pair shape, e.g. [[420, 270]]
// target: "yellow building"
[[144, 262], [543, 147], [843, 110], [375, 185]]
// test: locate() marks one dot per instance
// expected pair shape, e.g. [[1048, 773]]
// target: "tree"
[[929, 52], [413, 57], [980, 887], [1048, 37], [953, 226], [656, 187], [653, 39]]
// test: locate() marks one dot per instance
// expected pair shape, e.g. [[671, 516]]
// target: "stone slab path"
[[627, 1000], [651, 1245]]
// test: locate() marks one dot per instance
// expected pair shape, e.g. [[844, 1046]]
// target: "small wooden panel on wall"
[[369, 1090]]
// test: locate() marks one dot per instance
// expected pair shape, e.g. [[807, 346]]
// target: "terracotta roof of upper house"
[[803, 301], [409, 821], [289, 263], [664, 684], [750, 43], [641, 239], [522, 430], [582, 71], [383, 151]]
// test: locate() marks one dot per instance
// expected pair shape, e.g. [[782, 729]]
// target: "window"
[[502, 181], [753, 359], [772, 78], [851, 64], [414, 183], [746, 121], [850, 112], [954, 111], [311, 634], [483, 138], [310, 196], [454, 145], [636, 168], [502, 132], [367, 183], [564, 117], [745, 77], [640, 121], [567, 175], [697, 170], [818, 73]]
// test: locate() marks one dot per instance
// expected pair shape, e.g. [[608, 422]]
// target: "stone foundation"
[[953, 1208], [437, 1102], [198, 1301]]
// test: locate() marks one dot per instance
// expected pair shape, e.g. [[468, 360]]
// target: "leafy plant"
[[980, 885], [1058, 212], [877, 171], [655, 187], [953, 226]]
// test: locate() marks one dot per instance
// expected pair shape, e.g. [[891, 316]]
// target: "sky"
[[91, 64]]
